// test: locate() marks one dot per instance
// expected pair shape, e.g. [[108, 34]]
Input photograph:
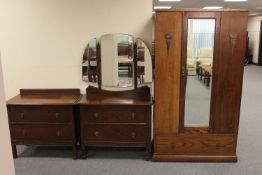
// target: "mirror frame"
[[98, 48]]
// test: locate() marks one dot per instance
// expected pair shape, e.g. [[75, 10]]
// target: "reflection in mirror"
[[200, 46], [117, 60], [144, 63], [89, 63]]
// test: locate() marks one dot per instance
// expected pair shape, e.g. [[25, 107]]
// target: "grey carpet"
[[53, 161]]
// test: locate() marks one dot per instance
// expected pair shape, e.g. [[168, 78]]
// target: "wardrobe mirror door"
[[144, 63], [117, 65], [89, 63], [200, 46]]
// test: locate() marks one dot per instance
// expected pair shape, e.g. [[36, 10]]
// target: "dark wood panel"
[[48, 92], [191, 144], [40, 114], [168, 37], [115, 133], [113, 114], [228, 73]]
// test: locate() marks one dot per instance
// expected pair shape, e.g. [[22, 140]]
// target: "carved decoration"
[[233, 39], [169, 38]]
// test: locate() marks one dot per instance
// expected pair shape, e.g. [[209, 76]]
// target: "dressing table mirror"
[[116, 109], [117, 62]]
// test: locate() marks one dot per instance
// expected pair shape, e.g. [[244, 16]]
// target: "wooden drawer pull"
[[96, 133], [58, 133], [173, 146], [57, 115], [133, 134], [133, 116], [23, 133], [22, 116], [96, 115]]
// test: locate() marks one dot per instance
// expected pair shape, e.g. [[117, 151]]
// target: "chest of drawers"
[[109, 119], [43, 117]]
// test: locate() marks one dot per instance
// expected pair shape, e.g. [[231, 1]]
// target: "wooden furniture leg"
[[14, 151]]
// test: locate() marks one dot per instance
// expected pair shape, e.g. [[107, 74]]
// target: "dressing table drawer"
[[41, 132], [40, 114], [115, 133], [113, 114]]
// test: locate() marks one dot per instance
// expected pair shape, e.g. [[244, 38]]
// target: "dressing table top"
[[46, 97]]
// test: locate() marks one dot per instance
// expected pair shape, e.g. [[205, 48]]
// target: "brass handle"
[[96, 133], [22, 116], [96, 115], [56, 115], [173, 146], [133, 116], [58, 133], [23, 133], [133, 134]]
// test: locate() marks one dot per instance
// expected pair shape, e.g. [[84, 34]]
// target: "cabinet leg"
[[74, 151], [148, 151], [84, 152], [14, 151]]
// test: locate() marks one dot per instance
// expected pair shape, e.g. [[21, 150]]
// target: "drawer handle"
[[133, 134], [57, 115], [96, 133], [133, 116], [173, 146], [96, 115], [22, 116], [58, 133], [23, 133]]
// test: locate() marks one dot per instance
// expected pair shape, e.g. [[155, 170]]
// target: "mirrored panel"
[[117, 60], [89, 63], [200, 46], [144, 63]]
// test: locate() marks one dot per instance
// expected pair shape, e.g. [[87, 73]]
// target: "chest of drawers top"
[[98, 97], [46, 97]]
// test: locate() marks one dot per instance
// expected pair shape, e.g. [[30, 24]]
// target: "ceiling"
[[254, 6]]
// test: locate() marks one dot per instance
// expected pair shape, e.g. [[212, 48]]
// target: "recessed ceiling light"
[[213, 7], [162, 7], [169, 0], [235, 0]]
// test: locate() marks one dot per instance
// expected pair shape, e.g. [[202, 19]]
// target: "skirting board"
[[194, 158]]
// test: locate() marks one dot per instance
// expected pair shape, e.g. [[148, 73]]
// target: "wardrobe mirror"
[[144, 63], [200, 46], [89, 63], [117, 60]]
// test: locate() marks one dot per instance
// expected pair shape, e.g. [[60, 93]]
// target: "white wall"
[[42, 41], [254, 34], [6, 160]]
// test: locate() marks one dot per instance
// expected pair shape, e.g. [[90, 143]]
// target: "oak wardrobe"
[[198, 84]]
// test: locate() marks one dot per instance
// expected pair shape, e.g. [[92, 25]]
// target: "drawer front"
[[115, 133], [41, 132], [196, 144], [40, 114], [113, 114]]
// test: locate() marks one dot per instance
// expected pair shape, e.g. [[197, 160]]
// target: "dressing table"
[[116, 109]]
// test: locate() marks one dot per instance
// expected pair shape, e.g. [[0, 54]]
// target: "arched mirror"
[[89, 63], [144, 63], [117, 62], [200, 54]]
